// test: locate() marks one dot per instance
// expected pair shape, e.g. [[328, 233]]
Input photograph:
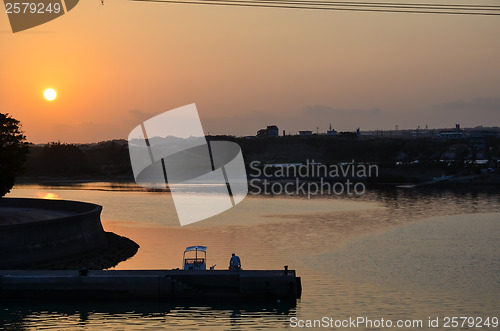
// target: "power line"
[[347, 6], [375, 5], [371, 4]]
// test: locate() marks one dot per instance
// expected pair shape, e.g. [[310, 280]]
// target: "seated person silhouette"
[[234, 263]]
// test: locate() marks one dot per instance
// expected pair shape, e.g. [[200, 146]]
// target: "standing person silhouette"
[[234, 263]]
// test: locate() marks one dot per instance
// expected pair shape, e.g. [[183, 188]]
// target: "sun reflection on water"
[[48, 195]]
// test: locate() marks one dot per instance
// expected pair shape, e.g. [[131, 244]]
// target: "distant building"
[[450, 135], [454, 152], [305, 133], [456, 133], [480, 132], [331, 132], [477, 143], [262, 133], [270, 131]]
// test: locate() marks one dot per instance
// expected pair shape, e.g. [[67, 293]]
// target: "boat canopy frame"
[[196, 263]]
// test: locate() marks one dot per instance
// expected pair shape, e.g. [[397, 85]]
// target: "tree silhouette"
[[13, 149]]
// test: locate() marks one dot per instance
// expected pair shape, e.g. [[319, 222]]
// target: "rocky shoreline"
[[119, 249]]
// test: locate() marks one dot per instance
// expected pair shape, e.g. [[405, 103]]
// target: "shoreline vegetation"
[[400, 160]]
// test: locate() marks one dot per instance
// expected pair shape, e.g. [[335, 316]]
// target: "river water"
[[396, 254]]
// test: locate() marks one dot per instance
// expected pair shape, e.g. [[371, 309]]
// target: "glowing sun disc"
[[50, 94]]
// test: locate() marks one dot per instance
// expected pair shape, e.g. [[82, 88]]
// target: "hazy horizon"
[[116, 65], [255, 134]]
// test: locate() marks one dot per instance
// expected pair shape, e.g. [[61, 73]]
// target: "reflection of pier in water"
[[21, 314]]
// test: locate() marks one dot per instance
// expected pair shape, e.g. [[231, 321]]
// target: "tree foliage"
[[13, 149]]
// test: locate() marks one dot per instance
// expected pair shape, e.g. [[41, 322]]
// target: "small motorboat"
[[195, 258]]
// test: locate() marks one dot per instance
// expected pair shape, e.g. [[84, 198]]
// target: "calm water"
[[397, 254]]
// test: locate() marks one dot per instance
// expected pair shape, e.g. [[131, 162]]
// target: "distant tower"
[[330, 126], [397, 127]]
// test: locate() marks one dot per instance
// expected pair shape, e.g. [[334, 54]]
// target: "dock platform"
[[162, 285]]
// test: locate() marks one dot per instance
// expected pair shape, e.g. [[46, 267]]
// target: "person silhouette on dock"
[[234, 263]]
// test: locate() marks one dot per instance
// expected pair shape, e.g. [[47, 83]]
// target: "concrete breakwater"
[[35, 232], [164, 285]]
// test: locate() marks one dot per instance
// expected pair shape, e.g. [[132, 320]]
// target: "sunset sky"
[[116, 65]]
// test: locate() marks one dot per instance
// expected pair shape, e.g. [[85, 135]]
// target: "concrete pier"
[[35, 232], [162, 285]]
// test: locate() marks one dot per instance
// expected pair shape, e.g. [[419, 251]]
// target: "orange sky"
[[116, 65]]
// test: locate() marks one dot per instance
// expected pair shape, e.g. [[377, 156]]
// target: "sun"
[[50, 94]]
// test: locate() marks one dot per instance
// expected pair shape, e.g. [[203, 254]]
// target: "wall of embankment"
[[38, 242]]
